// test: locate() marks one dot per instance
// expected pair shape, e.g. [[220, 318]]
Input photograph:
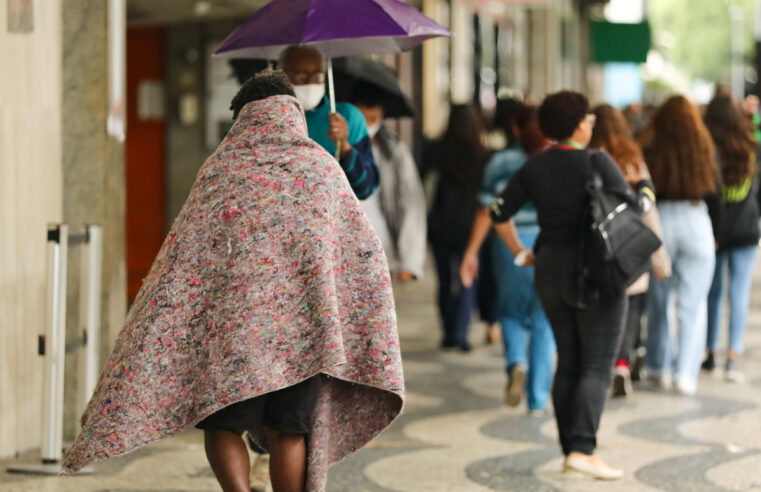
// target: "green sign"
[[611, 42]]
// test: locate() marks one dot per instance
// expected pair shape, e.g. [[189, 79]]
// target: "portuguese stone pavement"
[[456, 435]]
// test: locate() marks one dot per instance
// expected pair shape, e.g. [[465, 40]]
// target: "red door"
[[144, 152]]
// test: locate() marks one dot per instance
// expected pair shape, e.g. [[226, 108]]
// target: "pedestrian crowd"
[[320, 211]]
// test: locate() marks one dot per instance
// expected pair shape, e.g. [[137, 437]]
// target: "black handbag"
[[616, 245]]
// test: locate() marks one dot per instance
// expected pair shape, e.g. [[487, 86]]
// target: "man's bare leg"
[[228, 456], [288, 461]]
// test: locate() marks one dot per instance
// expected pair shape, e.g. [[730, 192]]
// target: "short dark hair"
[[264, 84], [368, 95], [561, 113]]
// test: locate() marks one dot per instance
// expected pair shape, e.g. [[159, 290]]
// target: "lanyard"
[[569, 145]]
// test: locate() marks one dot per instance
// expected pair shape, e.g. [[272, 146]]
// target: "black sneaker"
[[639, 363], [709, 364]]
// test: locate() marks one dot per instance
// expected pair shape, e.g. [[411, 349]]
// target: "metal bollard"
[[52, 345], [55, 344], [90, 302]]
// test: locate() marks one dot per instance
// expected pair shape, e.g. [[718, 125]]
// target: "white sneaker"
[[600, 471], [662, 381], [687, 388], [732, 372]]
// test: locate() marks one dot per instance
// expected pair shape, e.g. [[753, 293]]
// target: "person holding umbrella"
[[398, 210], [342, 133]]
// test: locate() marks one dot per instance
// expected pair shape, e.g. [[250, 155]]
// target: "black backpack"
[[616, 245]]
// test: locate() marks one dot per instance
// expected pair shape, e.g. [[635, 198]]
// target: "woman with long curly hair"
[[680, 154], [612, 134], [735, 143], [526, 331]]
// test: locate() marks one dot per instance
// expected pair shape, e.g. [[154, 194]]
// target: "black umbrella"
[[349, 72], [355, 70]]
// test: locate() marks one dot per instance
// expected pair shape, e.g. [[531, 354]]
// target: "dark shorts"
[[288, 410]]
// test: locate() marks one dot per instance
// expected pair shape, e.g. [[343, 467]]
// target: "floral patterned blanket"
[[270, 275]]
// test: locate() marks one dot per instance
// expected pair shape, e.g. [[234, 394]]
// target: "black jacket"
[[454, 205], [739, 224]]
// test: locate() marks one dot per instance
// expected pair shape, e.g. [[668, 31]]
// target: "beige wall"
[[30, 197], [57, 164]]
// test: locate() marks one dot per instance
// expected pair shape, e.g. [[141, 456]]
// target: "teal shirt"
[[359, 165]]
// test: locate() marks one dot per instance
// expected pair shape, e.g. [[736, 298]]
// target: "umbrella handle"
[[332, 97]]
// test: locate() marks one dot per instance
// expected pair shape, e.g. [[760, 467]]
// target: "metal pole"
[[52, 345], [92, 266], [332, 98], [55, 344]]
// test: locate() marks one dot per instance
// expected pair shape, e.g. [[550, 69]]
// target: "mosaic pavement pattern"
[[457, 436]]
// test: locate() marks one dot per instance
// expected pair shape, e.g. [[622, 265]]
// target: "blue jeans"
[[456, 303], [526, 332], [739, 261], [688, 237]]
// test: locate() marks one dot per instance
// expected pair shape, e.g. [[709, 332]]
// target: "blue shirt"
[[501, 168], [359, 164]]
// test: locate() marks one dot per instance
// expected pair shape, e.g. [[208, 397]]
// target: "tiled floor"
[[457, 436]]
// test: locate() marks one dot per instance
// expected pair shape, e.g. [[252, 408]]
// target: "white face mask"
[[309, 95], [373, 130]]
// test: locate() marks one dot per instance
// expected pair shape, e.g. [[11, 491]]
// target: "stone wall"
[[93, 179]]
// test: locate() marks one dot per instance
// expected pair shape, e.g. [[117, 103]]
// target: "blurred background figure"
[[612, 134], [459, 158], [500, 137], [738, 235], [397, 210], [526, 332], [680, 154]]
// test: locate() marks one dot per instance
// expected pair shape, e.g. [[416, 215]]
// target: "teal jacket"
[[359, 165]]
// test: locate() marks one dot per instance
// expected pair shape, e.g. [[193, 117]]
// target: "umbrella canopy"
[[336, 27], [351, 71], [348, 73]]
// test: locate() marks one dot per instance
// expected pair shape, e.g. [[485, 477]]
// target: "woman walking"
[[613, 135], [526, 332], [459, 158], [680, 154], [244, 322], [738, 235], [587, 338]]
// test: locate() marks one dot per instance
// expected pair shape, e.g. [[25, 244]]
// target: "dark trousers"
[[456, 303], [633, 327], [587, 342]]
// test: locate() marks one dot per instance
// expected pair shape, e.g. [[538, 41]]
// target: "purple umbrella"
[[335, 27]]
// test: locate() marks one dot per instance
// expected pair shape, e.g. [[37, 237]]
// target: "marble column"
[[93, 180]]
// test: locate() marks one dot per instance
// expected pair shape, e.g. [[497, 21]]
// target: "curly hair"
[[561, 113], [264, 84], [680, 152], [612, 134], [733, 136]]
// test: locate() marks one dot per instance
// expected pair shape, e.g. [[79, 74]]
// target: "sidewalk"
[[457, 436]]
